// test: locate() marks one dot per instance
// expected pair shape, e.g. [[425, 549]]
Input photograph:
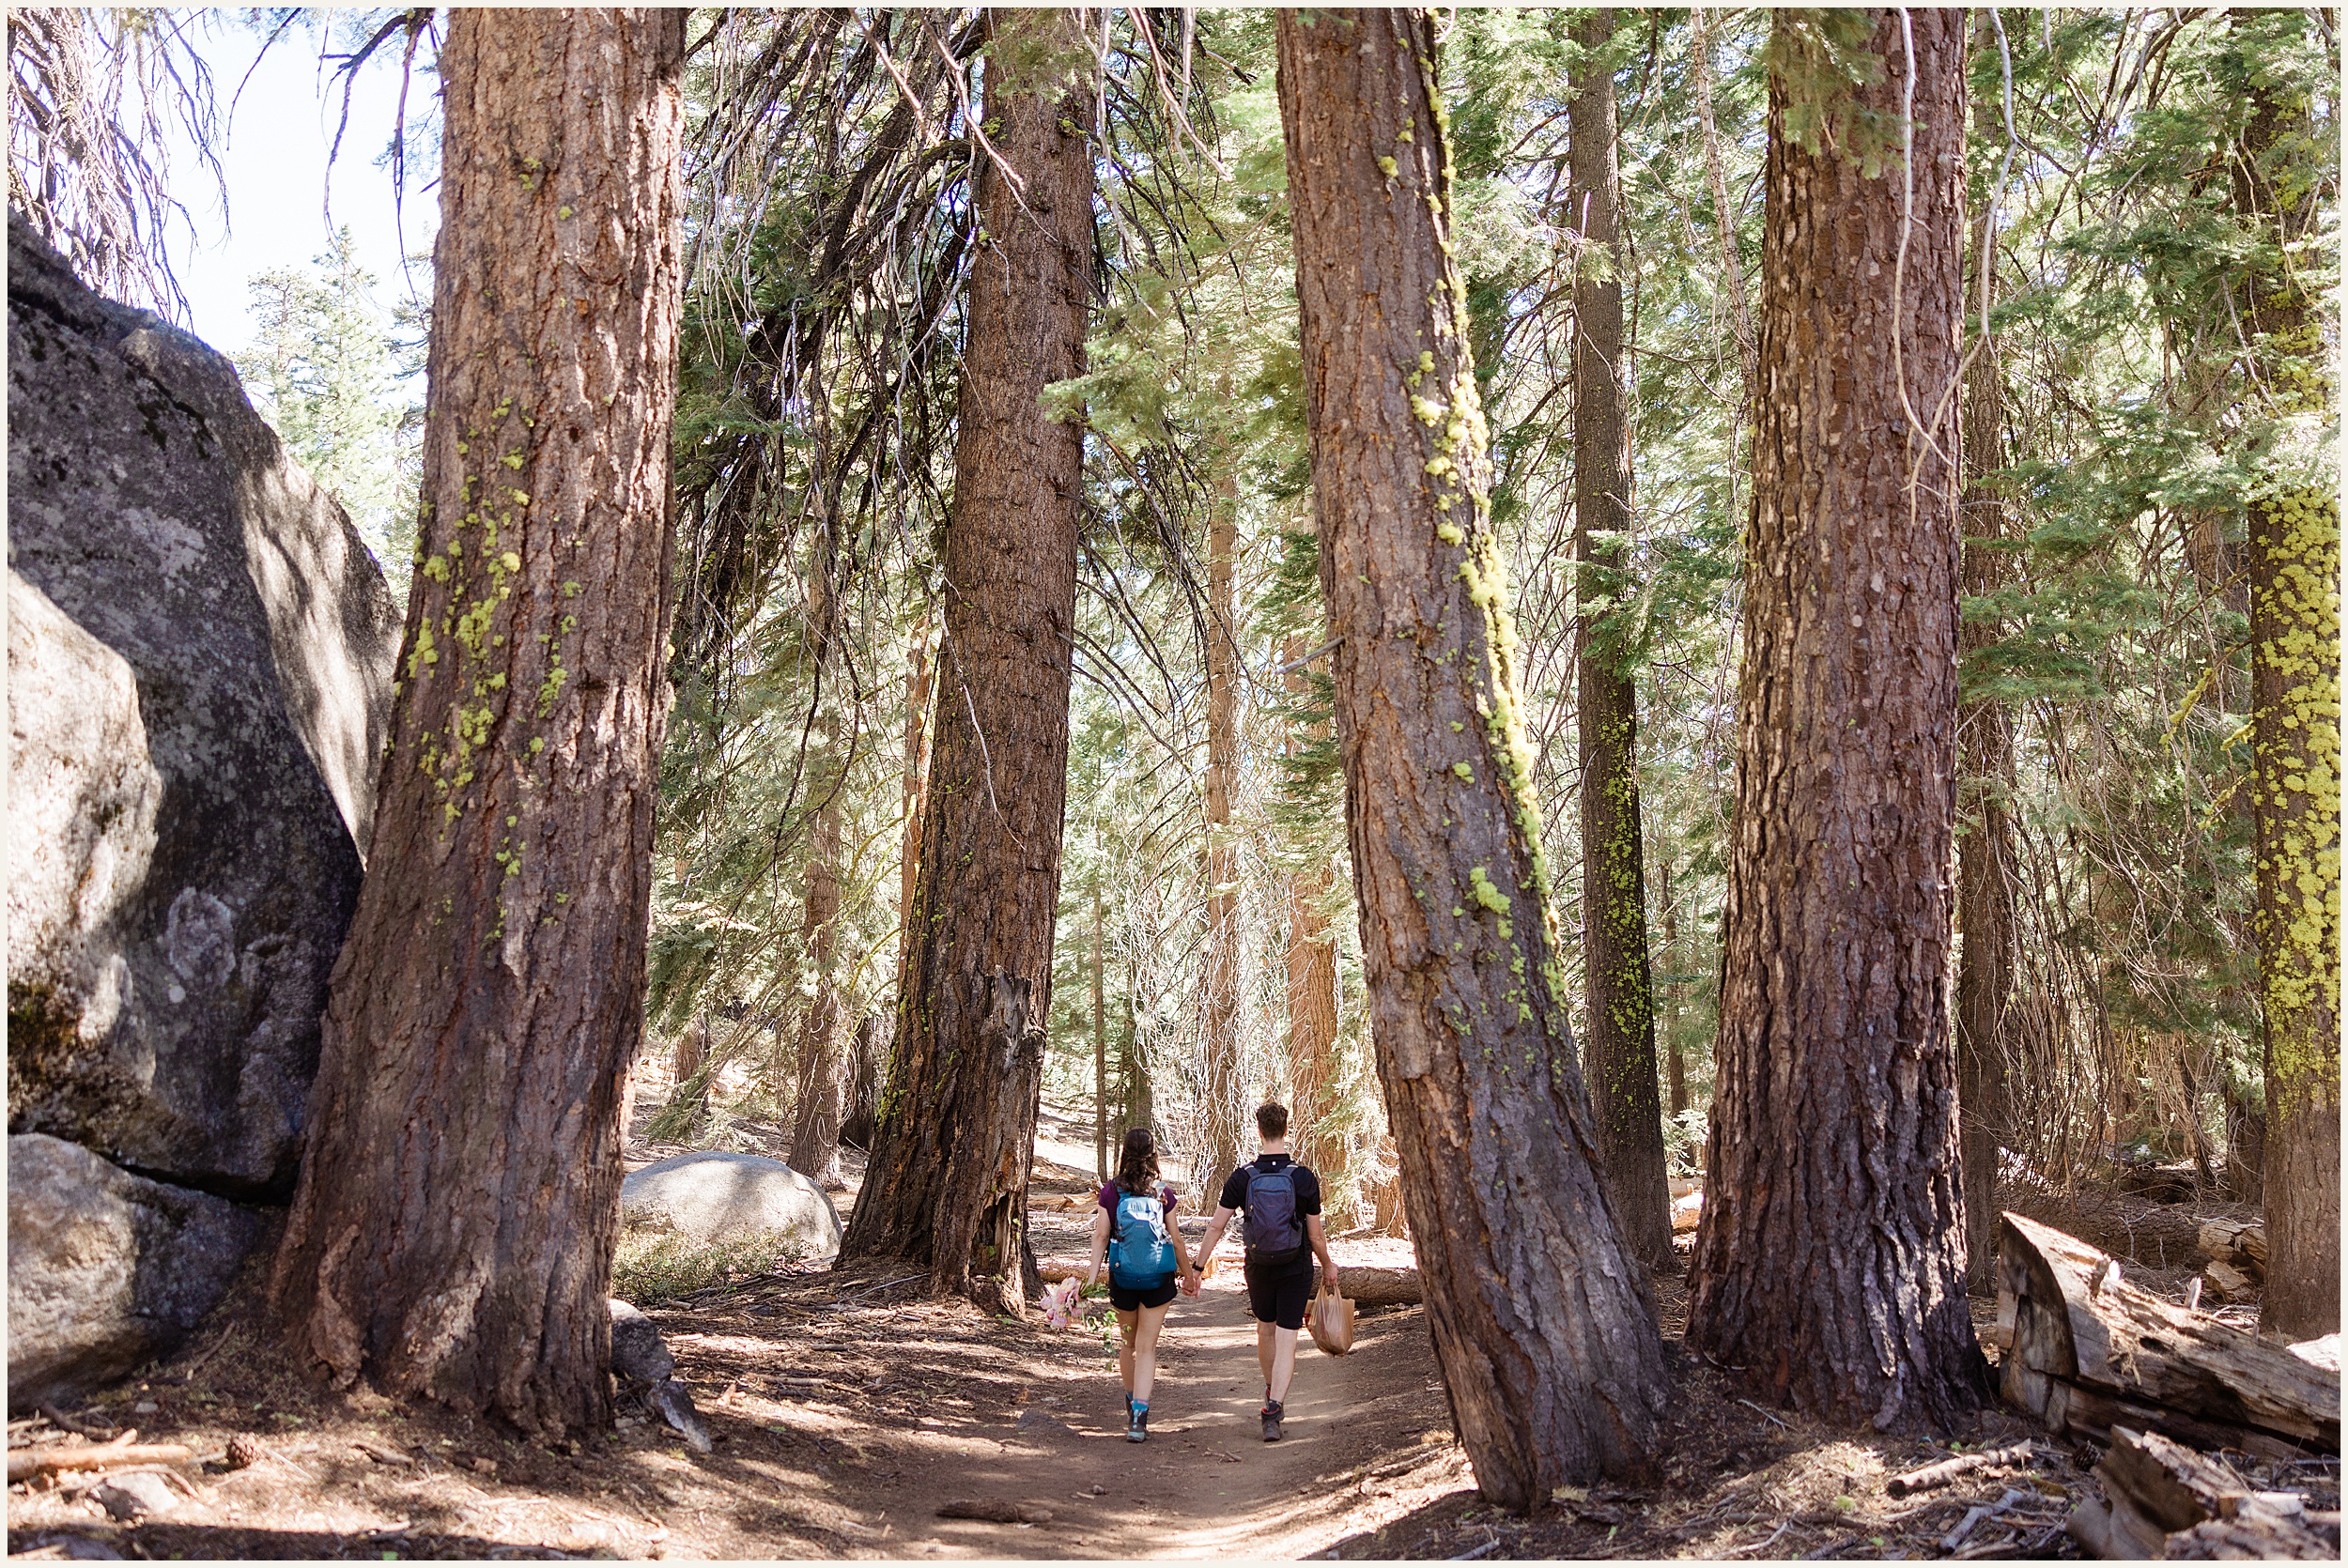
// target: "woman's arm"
[[1100, 1244]]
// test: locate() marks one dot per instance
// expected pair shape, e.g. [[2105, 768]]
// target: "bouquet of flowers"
[[1059, 1303]]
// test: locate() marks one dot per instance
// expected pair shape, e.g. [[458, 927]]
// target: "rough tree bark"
[[956, 1129], [1312, 994], [1100, 1043], [1132, 1070], [1985, 870], [692, 1050], [917, 677], [1540, 1315], [1830, 1258], [819, 1110], [1676, 1075], [863, 1093], [1220, 1003], [1620, 1010], [452, 1235], [2294, 561]]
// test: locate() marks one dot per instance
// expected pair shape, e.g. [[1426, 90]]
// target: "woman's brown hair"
[[1137, 1164]]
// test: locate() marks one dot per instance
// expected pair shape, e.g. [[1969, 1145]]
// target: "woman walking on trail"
[[1136, 1229]]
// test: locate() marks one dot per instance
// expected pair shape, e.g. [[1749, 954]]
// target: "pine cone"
[[244, 1450]]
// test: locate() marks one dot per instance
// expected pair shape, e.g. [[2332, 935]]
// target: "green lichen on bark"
[[2296, 783]]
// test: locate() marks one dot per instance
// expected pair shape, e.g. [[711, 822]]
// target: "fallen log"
[[1935, 1476], [1366, 1286], [2130, 1228], [1362, 1284], [26, 1463], [2161, 1499], [2090, 1352]]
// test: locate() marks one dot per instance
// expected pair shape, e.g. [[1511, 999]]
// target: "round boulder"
[[708, 1195]]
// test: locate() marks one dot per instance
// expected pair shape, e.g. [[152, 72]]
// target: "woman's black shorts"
[[1156, 1296], [1277, 1295]]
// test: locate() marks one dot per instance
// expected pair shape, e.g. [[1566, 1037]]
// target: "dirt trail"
[[1205, 1484], [845, 1408]]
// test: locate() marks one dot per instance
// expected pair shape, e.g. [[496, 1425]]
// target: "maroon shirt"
[[1111, 1193]]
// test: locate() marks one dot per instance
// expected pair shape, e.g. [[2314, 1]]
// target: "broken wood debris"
[[2161, 1499], [26, 1463], [2085, 1361], [1932, 1477]]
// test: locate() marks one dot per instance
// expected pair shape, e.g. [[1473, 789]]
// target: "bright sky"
[[276, 163]]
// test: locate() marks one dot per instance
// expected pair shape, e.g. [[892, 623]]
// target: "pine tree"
[[1620, 998], [452, 1232], [1469, 1016], [2294, 567], [324, 372], [1829, 1260], [956, 1127]]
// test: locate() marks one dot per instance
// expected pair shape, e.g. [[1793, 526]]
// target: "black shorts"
[[1133, 1301], [1277, 1295]]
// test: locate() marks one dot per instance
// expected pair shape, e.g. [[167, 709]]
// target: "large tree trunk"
[[452, 1235], [1139, 1099], [1101, 1167], [818, 1113], [1541, 1318], [1620, 1001], [692, 1051], [946, 1183], [1829, 1259], [1220, 1002], [1673, 991], [1985, 871], [2294, 563], [1314, 1069], [863, 1093], [916, 780]]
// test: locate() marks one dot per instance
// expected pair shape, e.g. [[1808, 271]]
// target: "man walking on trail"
[[1282, 1200]]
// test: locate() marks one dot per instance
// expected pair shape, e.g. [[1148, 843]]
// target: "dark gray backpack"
[[1275, 1231]]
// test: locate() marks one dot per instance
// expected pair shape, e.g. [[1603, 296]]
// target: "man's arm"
[[1319, 1238], [1215, 1233], [1181, 1254]]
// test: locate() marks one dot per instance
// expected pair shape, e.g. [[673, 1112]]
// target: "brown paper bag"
[[1331, 1320]]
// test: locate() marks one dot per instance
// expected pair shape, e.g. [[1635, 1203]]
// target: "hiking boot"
[[1137, 1424], [1271, 1414], [1129, 1406]]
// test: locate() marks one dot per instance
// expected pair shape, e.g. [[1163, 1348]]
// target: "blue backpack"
[[1141, 1254]]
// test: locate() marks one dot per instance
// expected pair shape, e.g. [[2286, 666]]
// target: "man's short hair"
[[1272, 1119]]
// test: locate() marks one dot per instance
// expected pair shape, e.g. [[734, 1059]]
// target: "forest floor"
[[846, 1410]]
